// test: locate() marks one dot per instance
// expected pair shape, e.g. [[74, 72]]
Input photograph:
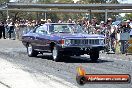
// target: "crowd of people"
[[14, 30]]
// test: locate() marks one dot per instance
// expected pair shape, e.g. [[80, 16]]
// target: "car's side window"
[[41, 30], [34, 31]]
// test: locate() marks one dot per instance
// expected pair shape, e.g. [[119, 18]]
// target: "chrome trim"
[[88, 46], [85, 41]]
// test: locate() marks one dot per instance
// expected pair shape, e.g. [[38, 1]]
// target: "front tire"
[[30, 51], [56, 54], [94, 55]]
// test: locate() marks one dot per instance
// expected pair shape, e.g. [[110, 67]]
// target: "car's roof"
[[60, 23]]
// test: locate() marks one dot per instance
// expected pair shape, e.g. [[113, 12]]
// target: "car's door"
[[41, 37]]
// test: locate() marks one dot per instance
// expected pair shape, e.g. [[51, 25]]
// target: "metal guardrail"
[[69, 6], [95, 8], [67, 10]]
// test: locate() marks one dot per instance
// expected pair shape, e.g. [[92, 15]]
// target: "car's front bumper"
[[74, 50]]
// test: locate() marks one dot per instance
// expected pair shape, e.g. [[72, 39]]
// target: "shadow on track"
[[82, 60], [74, 59]]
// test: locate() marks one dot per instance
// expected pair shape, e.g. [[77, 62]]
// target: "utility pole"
[[45, 15], [106, 14], [7, 11]]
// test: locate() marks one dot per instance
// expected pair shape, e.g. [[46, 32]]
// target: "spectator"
[[125, 27], [102, 27], [69, 21], [79, 22], [110, 33], [94, 21], [17, 29], [34, 23], [43, 21], [130, 23], [2, 30], [10, 29], [109, 23], [49, 21], [60, 21], [85, 24]]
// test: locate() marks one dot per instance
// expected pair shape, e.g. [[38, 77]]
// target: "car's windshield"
[[65, 28]]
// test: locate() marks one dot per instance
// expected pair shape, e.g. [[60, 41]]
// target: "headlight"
[[101, 41], [67, 42]]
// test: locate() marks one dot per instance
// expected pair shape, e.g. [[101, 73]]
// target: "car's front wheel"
[[56, 54], [94, 55], [30, 51]]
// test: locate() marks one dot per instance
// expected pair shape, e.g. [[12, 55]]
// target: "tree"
[[64, 1], [56, 16], [45, 1], [17, 15], [24, 1], [113, 1], [100, 16], [3, 13], [93, 1], [128, 16], [4, 1]]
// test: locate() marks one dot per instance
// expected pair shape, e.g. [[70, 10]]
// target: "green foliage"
[[3, 13], [101, 16], [45, 1], [64, 1], [128, 16], [114, 2], [15, 15], [56, 16], [2, 1], [93, 1]]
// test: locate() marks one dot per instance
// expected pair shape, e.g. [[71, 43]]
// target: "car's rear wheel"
[[94, 55], [30, 51], [56, 54]]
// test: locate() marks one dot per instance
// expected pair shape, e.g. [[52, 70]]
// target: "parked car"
[[62, 39]]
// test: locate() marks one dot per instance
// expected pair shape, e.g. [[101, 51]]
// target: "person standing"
[[10, 29], [110, 34], [94, 22], [2, 30], [125, 29], [17, 29]]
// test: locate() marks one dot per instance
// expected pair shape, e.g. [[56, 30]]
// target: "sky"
[[125, 1]]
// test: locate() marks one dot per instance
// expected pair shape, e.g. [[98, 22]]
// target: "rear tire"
[[56, 54], [94, 55], [30, 51]]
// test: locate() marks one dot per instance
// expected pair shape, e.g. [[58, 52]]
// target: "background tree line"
[[18, 15]]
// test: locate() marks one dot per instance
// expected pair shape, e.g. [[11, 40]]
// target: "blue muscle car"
[[62, 39]]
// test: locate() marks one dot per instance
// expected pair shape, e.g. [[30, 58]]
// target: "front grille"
[[85, 41]]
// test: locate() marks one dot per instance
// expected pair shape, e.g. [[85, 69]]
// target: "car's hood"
[[76, 36]]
